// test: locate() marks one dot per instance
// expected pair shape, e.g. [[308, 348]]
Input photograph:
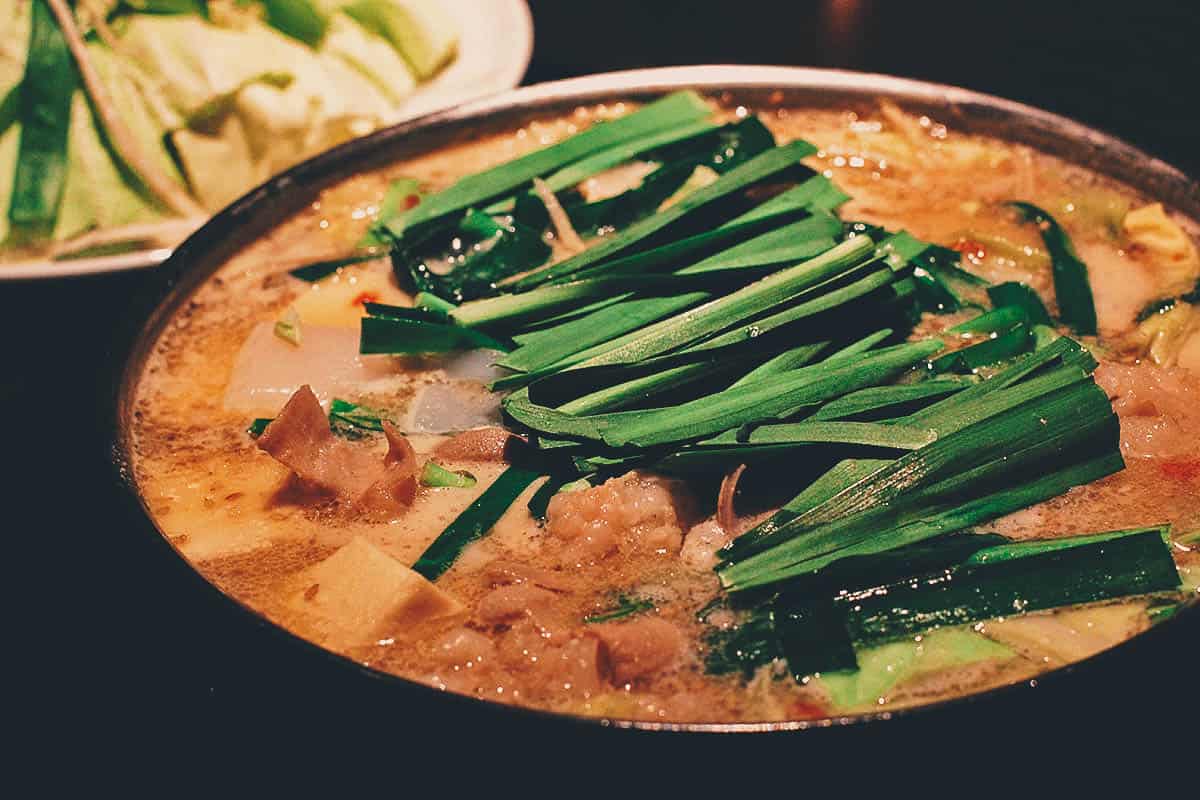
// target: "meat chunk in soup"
[[639, 648], [479, 444], [1159, 409], [300, 438], [507, 604], [632, 513]]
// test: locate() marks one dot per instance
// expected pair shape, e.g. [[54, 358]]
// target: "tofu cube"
[[360, 594]]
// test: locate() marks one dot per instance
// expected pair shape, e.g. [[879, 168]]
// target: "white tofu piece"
[[362, 594]]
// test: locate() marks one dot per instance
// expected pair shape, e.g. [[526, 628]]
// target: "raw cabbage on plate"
[[215, 96]]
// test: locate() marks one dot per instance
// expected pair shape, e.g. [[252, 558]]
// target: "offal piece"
[[300, 439], [639, 648], [1159, 409], [479, 444], [630, 513]]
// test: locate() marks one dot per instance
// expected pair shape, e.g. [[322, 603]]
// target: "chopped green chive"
[[433, 474]]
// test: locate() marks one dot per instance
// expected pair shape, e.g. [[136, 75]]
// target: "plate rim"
[[516, 64]]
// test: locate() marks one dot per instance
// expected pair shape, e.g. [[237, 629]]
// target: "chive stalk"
[[474, 522], [44, 109], [681, 108], [756, 169], [1072, 289]]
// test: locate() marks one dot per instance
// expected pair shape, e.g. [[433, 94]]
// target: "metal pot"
[[278, 657]]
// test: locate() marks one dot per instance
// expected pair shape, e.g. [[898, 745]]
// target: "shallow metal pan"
[[1067, 690]]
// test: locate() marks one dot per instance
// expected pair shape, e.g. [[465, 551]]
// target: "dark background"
[[117, 643]]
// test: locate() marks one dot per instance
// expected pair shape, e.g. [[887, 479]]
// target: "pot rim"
[[175, 280]]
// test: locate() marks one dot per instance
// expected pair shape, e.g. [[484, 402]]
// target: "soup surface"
[[610, 605]]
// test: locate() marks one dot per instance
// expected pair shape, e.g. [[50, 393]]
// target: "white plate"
[[495, 45]]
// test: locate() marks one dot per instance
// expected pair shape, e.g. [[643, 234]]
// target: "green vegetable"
[[475, 521], [563, 344], [401, 195], [1019, 423], [736, 306], [773, 441], [1163, 613], [871, 434], [887, 398], [756, 169], [884, 666], [481, 250], [681, 108], [806, 239], [515, 308], [288, 327], [319, 270], [433, 474], [584, 168], [1020, 296], [1001, 347], [1009, 551], [416, 312], [923, 518], [1072, 288], [724, 410], [1157, 307], [344, 414], [963, 408], [421, 30], [998, 438], [1136, 563], [389, 335], [678, 252], [766, 398], [797, 241], [786, 361], [574, 337], [44, 109], [306, 20], [563, 482], [688, 342], [258, 426], [545, 345], [818, 627], [676, 178], [625, 607], [346, 419], [208, 116], [637, 391], [1000, 319]]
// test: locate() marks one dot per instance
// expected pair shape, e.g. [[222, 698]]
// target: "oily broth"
[[234, 513]]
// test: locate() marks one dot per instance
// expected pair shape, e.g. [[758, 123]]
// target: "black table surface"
[[116, 633]]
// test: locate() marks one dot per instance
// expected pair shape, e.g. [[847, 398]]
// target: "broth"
[[519, 617]]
